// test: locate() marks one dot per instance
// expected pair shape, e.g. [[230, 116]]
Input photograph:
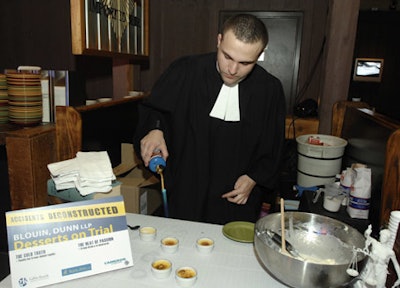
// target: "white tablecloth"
[[231, 264]]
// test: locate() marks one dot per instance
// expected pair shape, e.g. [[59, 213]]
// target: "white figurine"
[[380, 253]]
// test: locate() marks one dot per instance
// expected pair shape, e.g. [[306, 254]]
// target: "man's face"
[[235, 58]]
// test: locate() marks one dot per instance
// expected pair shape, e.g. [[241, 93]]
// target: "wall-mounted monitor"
[[368, 69]]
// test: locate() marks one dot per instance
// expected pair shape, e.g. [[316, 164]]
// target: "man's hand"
[[242, 189], [152, 142]]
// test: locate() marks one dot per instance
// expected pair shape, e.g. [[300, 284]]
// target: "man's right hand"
[[154, 141]]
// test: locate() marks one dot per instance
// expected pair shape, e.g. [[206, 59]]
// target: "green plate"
[[240, 231]]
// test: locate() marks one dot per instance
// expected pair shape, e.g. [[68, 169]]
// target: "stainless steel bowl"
[[324, 246]]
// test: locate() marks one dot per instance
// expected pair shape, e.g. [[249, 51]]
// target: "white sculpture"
[[380, 254]]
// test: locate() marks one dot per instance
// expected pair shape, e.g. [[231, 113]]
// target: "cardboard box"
[[129, 160], [73, 194], [139, 187], [141, 191]]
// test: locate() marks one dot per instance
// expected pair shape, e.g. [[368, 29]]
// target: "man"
[[218, 120]]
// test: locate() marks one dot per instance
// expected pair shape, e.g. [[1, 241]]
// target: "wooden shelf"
[[99, 126], [5, 129], [338, 113], [295, 127], [89, 40]]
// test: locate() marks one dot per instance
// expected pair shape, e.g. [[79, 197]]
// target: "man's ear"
[[219, 39]]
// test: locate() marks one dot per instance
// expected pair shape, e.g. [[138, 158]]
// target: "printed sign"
[[58, 243]]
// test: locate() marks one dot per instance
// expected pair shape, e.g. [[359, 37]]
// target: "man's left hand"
[[242, 189]]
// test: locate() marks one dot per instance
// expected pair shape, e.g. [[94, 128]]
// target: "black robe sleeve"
[[155, 110]]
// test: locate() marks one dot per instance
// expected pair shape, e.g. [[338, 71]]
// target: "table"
[[231, 264], [4, 129]]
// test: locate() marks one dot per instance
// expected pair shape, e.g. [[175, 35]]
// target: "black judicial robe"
[[207, 155]]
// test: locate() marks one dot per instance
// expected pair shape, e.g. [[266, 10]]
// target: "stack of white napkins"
[[89, 172]]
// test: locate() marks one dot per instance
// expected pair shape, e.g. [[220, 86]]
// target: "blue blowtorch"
[[157, 164]]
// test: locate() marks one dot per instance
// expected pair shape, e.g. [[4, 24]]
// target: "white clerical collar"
[[226, 106]]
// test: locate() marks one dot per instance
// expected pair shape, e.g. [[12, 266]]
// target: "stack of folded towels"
[[88, 172]]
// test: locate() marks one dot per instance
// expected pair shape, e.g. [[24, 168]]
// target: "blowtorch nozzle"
[[157, 164], [159, 169]]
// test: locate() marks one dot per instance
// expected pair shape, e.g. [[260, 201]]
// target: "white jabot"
[[227, 105]]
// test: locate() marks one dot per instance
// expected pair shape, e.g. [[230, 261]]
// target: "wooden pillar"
[[341, 34]]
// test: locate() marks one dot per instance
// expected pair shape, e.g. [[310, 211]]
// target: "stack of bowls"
[[3, 99], [24, 98]]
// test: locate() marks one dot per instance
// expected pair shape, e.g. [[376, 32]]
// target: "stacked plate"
[[3, 99], [24, 98], [394, 221]]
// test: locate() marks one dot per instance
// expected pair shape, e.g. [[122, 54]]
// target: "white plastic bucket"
[[319, 164]]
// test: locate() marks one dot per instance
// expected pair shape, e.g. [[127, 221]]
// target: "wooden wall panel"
[[375, 34], [37, 33], [171, 39], [180, 28]]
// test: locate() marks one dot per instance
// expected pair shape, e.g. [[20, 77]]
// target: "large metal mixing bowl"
[[324, 246]]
